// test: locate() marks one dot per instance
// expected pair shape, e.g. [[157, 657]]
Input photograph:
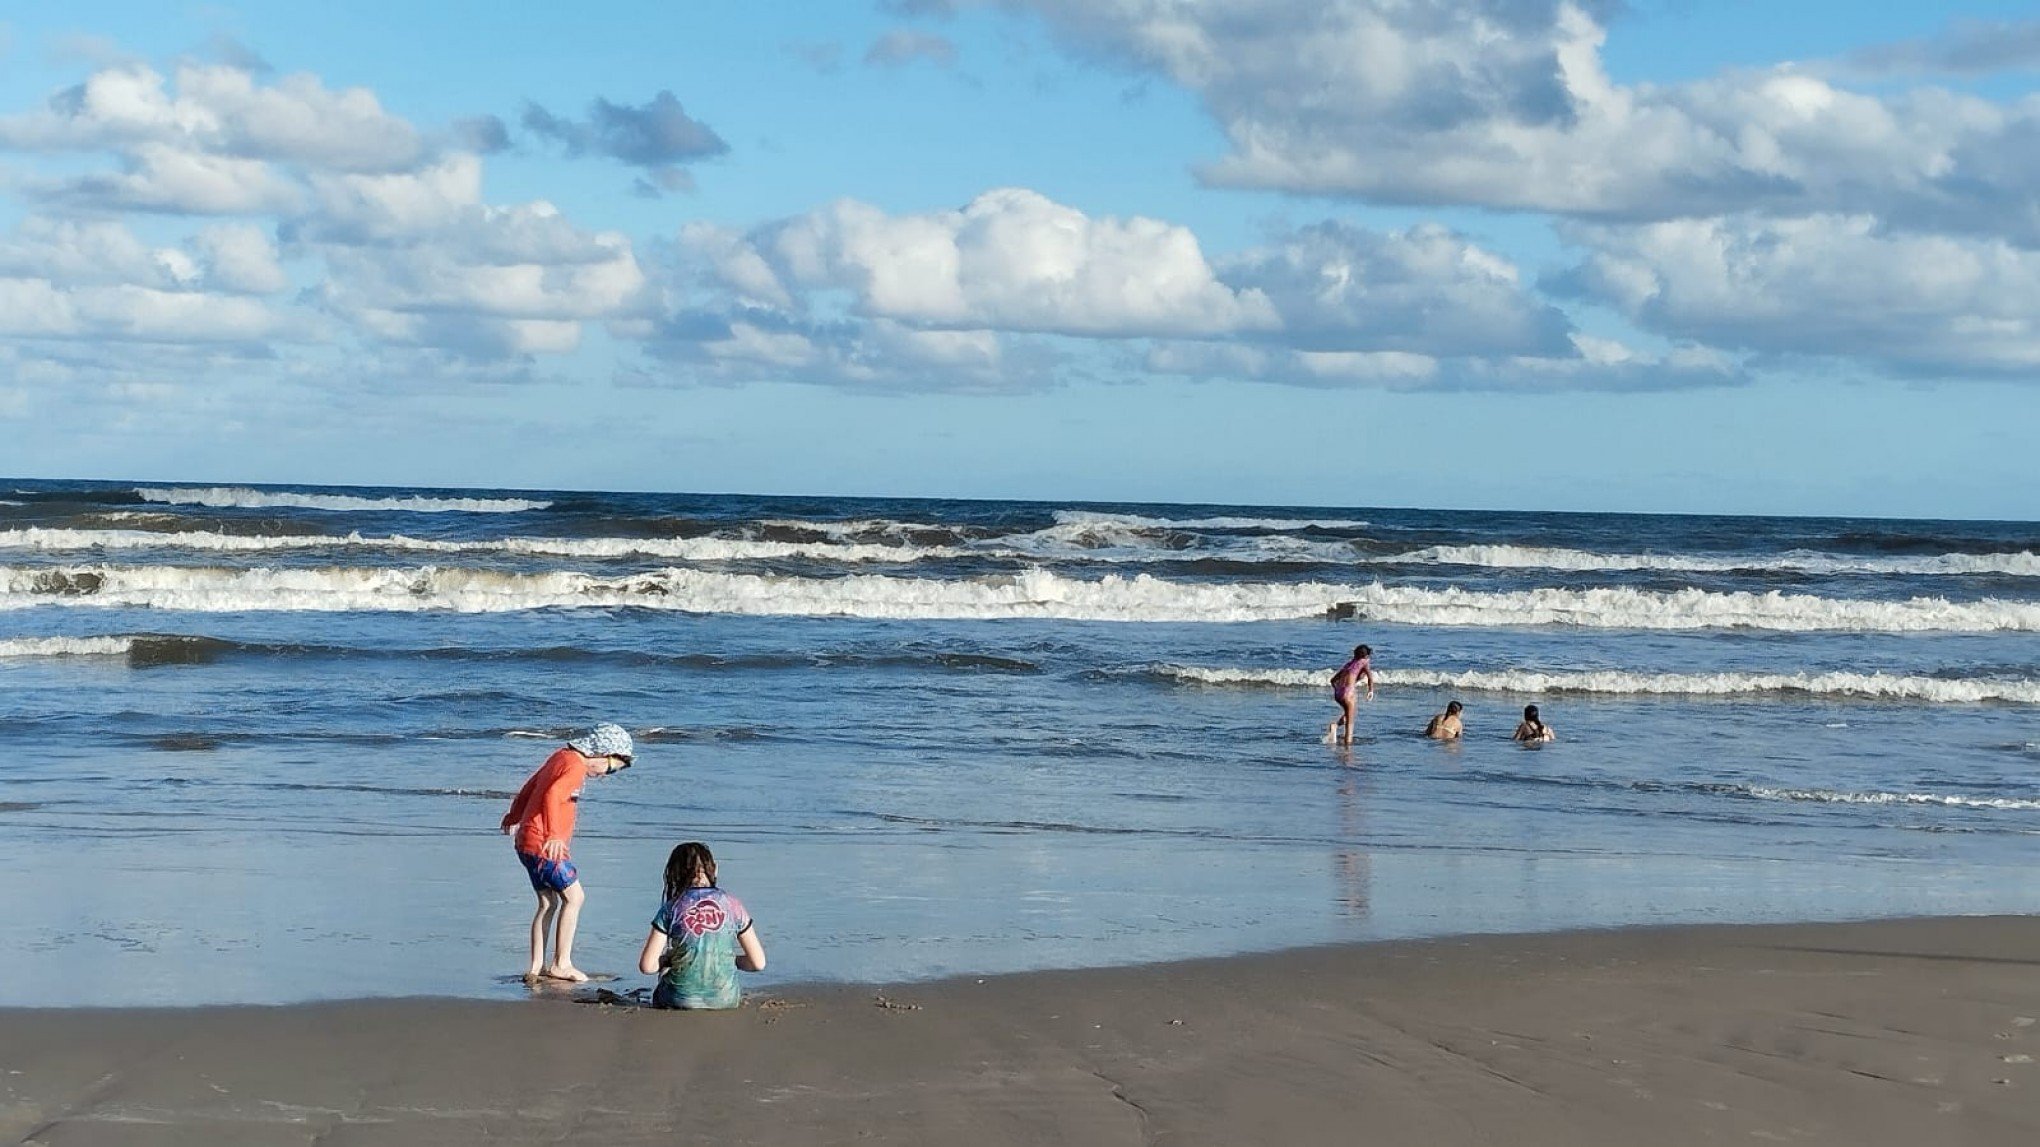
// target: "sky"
[[1660, 256]]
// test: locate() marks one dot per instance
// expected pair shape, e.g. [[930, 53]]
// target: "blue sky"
[[1664, 256]]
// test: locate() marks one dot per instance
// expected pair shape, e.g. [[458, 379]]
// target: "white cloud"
[[1828, 285], [240, 258], [222, 111], [1015, 290], [1009, 260], [37, 308], [1508, 105], [1341, 288], [1589, 364], [158, 177]]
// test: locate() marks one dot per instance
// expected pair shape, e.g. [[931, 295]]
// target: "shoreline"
[[1882, 1031]]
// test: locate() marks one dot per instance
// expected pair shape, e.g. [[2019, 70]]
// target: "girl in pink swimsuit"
[[1345, 683]]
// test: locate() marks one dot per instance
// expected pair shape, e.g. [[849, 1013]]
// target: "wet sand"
[[1896, 1032]]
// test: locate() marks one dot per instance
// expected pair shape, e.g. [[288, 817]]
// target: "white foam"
[[1613, 681], [66, 646], [240, 497], [1828, 796], [677, 549], [1031, 594], [2021, 564], [1136, 521]]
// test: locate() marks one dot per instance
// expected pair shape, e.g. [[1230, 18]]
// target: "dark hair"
[[1453, 707], [1530, 717], [1363, 651], [688, 861]]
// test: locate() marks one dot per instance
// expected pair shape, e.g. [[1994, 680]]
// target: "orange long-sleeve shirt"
[[544, 808]]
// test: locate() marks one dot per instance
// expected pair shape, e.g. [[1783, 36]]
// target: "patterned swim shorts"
[[548, 875]]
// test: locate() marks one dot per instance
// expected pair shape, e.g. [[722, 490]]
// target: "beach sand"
[[1894, 1032]]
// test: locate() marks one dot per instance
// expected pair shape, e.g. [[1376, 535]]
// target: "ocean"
[[255, 741]]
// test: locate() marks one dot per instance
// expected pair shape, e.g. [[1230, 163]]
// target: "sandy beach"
[[1898, 1032]]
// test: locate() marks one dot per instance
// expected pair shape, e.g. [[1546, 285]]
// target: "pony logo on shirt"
[[703, 916]]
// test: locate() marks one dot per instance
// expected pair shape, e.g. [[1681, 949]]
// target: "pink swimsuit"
[[1347, 676]]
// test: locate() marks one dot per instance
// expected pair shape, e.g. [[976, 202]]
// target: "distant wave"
[[1829, 796], [1880, 686], [65, 646], [1027, 594], [676, 549], [240, 497], [884, 542], [141, 649], [1056, 543], [2024, 563], [1136, 521]]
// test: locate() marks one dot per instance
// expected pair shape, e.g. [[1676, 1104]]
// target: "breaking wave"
[[241, 497], [138, 649], [1139, 522], [2024, 563], [1830, 796], [675, 549], [1027, 594], [1880, 686]]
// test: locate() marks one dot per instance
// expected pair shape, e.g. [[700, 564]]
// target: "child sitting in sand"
[[1345, 686], [1446, 726], [1533, 731], [542, 816], [701, 937]]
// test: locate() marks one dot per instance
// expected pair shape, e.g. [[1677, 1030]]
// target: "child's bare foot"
[[534, 974], [566, 972]]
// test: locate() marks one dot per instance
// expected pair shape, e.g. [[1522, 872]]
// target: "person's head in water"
[[690, 865], [1360, 652], [1452, 709], [1530, 717]]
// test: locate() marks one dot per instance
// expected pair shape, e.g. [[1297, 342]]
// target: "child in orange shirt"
[[542, 816]]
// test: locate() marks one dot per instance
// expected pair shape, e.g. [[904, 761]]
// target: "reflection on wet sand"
[[1352, 863]]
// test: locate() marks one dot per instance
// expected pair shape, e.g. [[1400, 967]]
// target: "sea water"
[[255, 743]]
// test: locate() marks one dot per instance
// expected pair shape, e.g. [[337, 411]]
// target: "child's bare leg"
[[1346, 718], [563, 940], [541, 923]]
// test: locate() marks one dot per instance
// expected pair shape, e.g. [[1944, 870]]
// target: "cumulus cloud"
[[49, 261], [902, 46], [386, 226], [1427, 290], [1014, 289], [1827, 285], [1506, 104], [240, 258], [657, 136], [159, 177], [878, 355], [220, 111], [1011, 259]]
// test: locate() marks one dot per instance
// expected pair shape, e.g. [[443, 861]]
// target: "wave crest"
[[1032, 593], [241, 497], [1880, 686]]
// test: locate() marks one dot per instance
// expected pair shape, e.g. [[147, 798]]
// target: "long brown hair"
[[689, 860]]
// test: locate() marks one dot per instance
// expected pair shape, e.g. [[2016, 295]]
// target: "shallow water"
[[256, 742]]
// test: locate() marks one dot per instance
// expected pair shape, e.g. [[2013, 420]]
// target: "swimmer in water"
[[1446, 726], [1345, 687], [1533, 731]]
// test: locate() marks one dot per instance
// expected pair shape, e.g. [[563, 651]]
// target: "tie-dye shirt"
[[701, 966]]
